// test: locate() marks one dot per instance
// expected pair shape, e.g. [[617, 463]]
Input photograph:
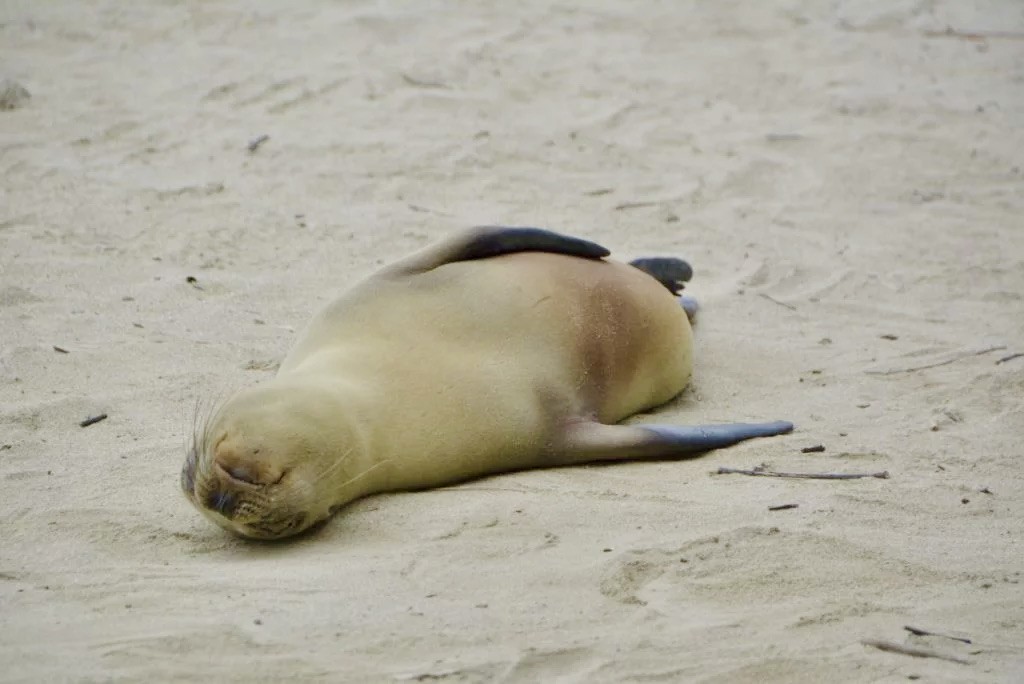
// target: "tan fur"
[[415, 379]]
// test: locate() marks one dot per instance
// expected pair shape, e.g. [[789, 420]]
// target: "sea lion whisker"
[[216, 405], [340, 461], [365, 473], [306, 486], [198, 410], [293, 486], [185, 422], [196, 447]]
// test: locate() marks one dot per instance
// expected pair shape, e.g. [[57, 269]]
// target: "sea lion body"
[[475, 366], [437, 370]]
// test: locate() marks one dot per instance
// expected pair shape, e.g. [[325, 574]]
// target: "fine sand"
[[845, 177]]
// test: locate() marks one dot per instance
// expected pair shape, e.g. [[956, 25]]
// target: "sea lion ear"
[[483, 242]]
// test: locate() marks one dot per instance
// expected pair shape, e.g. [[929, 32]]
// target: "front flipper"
[[490, 241], [590, 441], [670, 272]]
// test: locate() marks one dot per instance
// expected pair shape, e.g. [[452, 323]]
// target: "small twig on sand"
[[426, 210], [917, 631], [883, 475], [60, 350], [92, 420], [951, 32], [1011, 357], [423, 83], [776, 301], [916, 652], [952, 359], [783, 507], [634, 205], [255, 143], [816, 449]]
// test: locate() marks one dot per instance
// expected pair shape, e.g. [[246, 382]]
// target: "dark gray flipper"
[[690, 438], [490, 241], [670, 272], [589, 441]]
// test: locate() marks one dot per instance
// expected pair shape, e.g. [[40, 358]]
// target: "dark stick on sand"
[[776, 301], [884, 475], [893, 647], [953, 359], [917, 631], [92, 420], [255, 143]]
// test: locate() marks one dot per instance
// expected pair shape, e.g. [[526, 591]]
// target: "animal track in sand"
[[276, 97], [750, 564], [13, 295], [556, 665]]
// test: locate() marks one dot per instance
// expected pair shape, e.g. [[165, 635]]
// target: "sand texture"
[[847, 179]]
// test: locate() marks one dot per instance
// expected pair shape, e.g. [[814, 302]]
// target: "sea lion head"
[[271, 462]]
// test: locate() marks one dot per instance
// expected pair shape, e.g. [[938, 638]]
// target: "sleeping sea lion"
[[497, 349]]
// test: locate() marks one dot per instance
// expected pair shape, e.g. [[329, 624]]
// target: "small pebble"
[[12, 95]]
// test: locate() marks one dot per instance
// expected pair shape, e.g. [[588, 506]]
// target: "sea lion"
[[497, 349]]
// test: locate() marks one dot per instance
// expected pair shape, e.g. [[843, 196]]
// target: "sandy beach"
[[186, 183]]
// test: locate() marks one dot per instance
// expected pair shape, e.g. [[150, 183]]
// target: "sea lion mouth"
[[273, 529], [243, 513], [236, 501]]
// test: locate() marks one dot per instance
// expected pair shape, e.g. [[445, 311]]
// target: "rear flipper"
[[670, 272], [490, 241], [590, 441]]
